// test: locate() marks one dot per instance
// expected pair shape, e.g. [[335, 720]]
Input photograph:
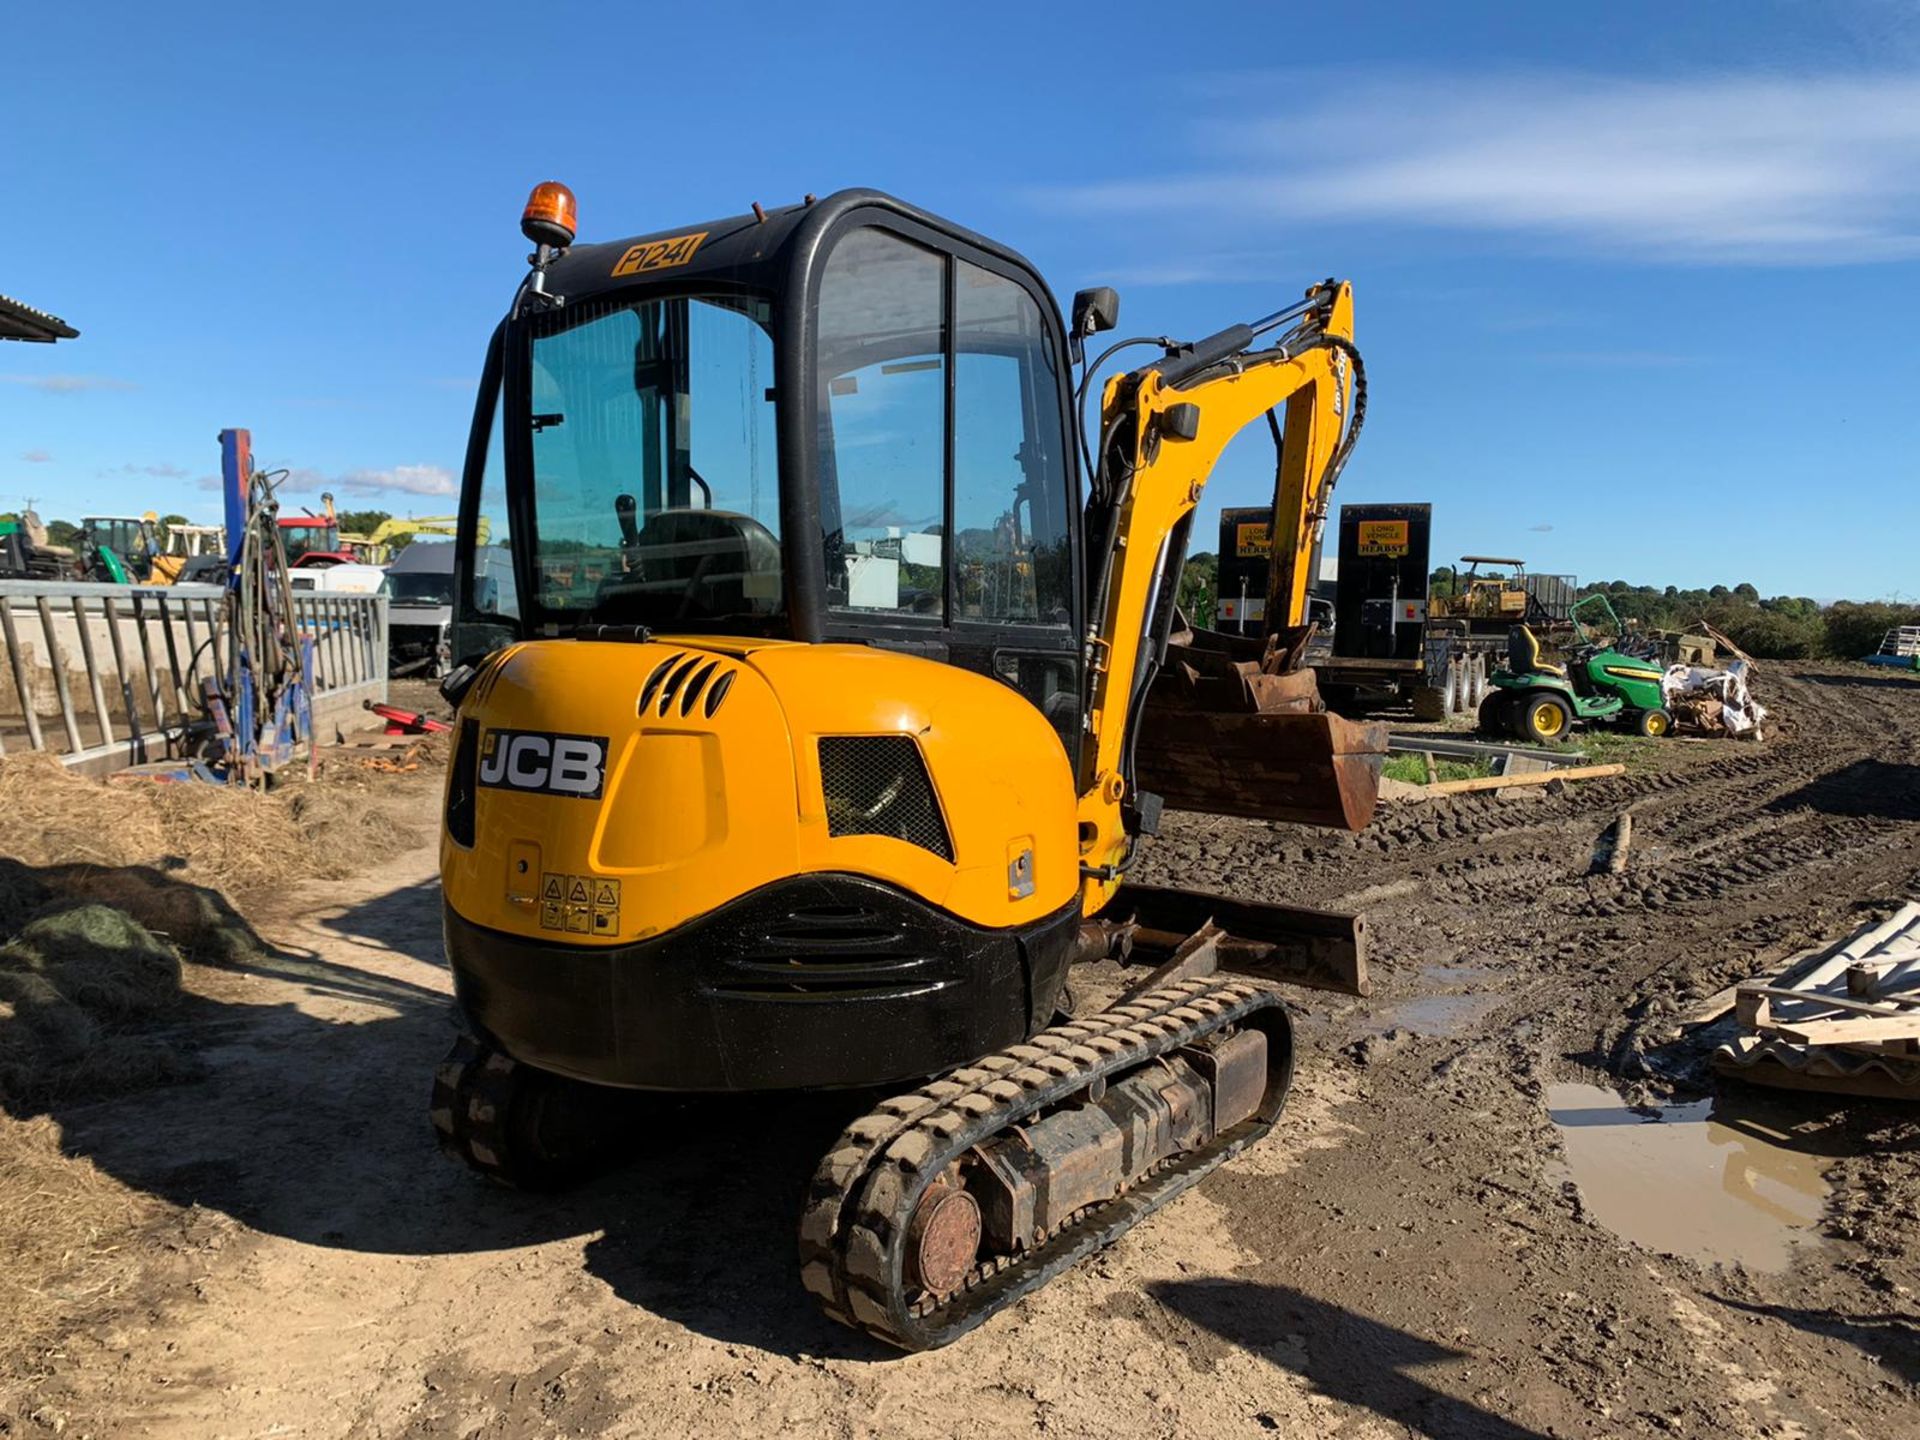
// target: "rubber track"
[[866, 1188], [472, 1089]]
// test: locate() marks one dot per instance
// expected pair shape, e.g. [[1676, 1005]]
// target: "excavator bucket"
[[1225, 734]]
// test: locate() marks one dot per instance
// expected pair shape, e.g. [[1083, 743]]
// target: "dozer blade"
[[1224, 735], [1278, 944]]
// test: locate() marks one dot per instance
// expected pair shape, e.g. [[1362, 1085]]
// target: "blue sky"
[[1637, 283]]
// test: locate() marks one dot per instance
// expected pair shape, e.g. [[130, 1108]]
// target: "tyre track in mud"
[[1742, 854], [1766, 842]]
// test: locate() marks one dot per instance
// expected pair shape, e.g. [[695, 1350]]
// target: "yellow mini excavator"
[[800, 754]]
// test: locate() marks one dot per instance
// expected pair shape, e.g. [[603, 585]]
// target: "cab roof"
[[740, 250]]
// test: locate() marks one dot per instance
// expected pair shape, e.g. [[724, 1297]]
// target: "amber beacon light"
[[550, 216]]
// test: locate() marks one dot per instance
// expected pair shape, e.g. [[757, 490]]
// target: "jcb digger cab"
[[846, 420]]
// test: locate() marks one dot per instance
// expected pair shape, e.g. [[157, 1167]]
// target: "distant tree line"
[[1780, 627], [1199, 588], [351, 522]]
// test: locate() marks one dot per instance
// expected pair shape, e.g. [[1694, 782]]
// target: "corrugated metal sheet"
[[19, 321]]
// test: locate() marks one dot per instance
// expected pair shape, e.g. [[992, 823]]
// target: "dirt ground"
[[1407, 1254]]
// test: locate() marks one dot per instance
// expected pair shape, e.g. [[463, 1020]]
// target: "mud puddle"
[[1701, 1180], [1459, 974], [1435, 1015]]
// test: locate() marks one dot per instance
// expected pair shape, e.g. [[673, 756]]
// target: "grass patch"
[[64, 1237], [1412, 769], [1603, 746]]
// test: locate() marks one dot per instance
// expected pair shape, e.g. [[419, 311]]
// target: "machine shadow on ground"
[[1893, 1341], [1866, 789], [1864, 682], [1353, 1359], [316, 1129], [404, 921]]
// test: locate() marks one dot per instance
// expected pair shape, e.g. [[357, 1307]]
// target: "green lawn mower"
[[1599, 684]]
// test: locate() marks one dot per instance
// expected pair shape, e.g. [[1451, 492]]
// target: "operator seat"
[[1523, 654], [694, 564]]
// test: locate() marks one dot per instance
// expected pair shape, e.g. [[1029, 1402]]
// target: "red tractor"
[[313, 541]]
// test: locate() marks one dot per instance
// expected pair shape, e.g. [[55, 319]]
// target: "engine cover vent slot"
[[675, 678], [652, 687], [878, 785], [694, 686], [685, 677]]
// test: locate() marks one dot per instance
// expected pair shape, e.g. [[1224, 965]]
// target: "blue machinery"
[[262, 708]]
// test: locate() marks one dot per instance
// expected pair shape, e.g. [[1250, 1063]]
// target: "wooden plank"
[[1622, 838], [1860, 1022], [1544, 777], [1856, 1030], [1822, 999], [1832, 963], [1721, 1001]]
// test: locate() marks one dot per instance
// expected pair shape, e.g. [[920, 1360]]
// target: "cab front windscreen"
[[656, 492]]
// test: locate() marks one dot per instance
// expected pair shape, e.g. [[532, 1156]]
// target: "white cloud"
[[401, 479], [398, 480], [68, 384], [36, 457], [1746, 169], [156, 472]]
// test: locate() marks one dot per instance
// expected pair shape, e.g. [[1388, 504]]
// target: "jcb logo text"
[[544, 763]]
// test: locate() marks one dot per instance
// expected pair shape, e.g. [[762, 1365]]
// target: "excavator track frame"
[[860, 1206]]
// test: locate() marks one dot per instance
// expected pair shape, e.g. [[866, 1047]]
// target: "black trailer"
[[1380, 607], [1380, 603], [1246, 553]]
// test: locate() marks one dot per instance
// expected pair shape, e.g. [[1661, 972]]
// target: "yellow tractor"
[[800, 754]]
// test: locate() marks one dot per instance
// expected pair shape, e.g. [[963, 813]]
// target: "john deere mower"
[[1600, 683]]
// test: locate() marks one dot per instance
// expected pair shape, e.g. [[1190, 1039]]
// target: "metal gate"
[[106, 676]]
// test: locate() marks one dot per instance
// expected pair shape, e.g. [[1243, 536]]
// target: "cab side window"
[[493, 591], [947, 495], [1012, 564], [883, 425]]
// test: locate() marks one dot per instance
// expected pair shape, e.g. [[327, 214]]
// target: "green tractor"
[[1599, 684]]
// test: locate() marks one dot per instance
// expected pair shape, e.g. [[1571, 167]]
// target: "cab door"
[[948, 496]]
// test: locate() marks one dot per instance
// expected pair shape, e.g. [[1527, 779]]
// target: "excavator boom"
[[1221, 733]]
